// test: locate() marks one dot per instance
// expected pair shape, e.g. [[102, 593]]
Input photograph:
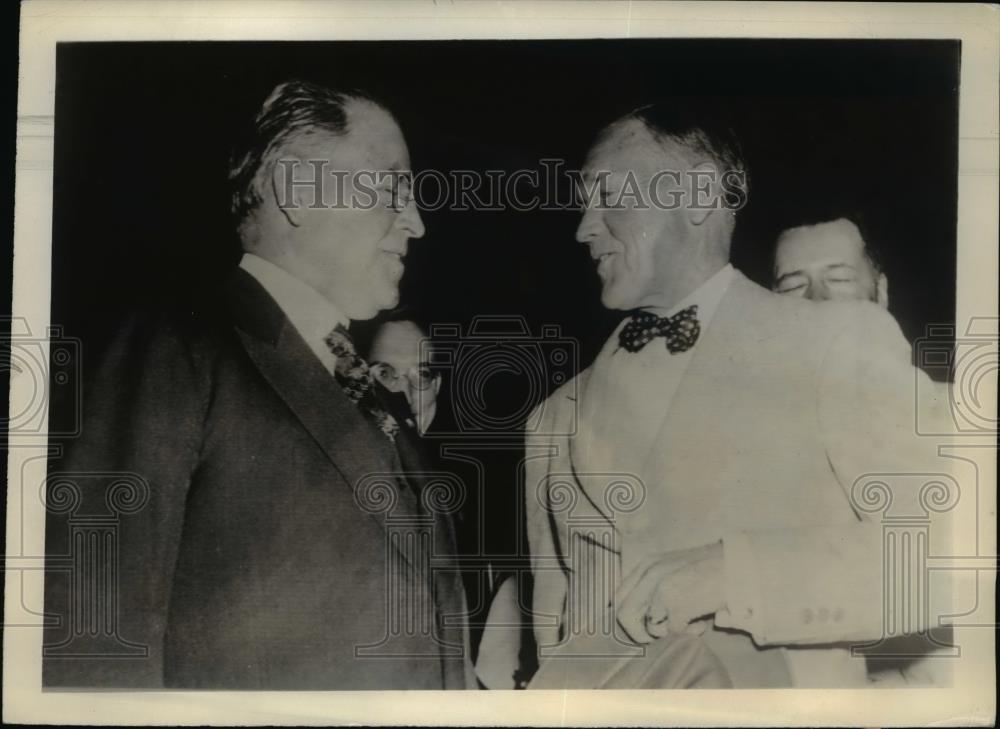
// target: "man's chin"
[[612, 299], [389, 300], [363, 311]]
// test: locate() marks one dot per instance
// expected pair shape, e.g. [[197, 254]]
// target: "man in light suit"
[[691, 497], [268, 477]]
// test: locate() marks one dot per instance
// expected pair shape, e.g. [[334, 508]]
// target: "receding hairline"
[[388, 341], [352, 105], [606, 139], [668, 144]]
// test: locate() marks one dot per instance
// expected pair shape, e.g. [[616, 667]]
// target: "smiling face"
[[633, 244], [827, 262], [353, 253]]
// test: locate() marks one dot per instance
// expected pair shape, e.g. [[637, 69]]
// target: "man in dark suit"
[[268, 536]]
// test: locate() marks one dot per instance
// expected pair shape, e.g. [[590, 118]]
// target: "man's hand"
[[666, 592]]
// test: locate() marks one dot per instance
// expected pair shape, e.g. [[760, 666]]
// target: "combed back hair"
[[405, 314], [864, 221], [294, 109], [700, 125], [400, 314]]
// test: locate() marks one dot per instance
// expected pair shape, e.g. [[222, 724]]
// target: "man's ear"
[[882, 291], [288, 196], [706, 192]]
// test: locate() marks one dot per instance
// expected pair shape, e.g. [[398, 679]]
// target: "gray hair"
[[294, 109]]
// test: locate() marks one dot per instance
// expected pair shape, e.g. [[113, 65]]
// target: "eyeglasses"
[[420, 377], [399, 187]]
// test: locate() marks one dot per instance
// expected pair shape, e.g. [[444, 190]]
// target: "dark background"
[[143, 132]]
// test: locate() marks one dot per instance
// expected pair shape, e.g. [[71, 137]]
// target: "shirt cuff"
[[744, 607]]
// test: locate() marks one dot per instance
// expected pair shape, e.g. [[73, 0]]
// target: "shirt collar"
[[311, 313], [707, 296]]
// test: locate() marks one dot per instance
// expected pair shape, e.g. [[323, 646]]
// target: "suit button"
[[807, 616]]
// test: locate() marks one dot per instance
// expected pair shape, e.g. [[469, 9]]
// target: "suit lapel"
[[446, 578], [594, 486], [712, 358], [704, 396], [354, 447], [709, 354]]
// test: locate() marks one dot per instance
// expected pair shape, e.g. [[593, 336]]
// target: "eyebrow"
[[839, 265], [827, 267], [784, 276]]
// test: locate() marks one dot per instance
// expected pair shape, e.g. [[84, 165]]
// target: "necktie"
[[680, 330], [353, 375]]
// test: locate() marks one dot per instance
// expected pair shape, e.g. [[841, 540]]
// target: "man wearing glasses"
[[401, 367]]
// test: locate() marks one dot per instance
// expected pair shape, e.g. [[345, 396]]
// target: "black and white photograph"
[[503, 365]]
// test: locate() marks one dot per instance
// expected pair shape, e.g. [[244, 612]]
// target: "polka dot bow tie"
[[680, 330]]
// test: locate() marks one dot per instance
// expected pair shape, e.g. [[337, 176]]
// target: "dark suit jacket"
[[251, 541]]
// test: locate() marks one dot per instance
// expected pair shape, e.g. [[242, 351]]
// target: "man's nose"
[[817, 291], [410, 393], [409, 220], [589, 227]]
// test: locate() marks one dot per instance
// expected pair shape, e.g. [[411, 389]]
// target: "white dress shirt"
[[629, 393], [311, 313]]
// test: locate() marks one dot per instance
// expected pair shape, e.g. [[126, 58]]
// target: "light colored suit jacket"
[[786, 408]]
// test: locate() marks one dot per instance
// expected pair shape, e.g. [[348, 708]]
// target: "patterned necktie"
[[680, 330], [353, 375]]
